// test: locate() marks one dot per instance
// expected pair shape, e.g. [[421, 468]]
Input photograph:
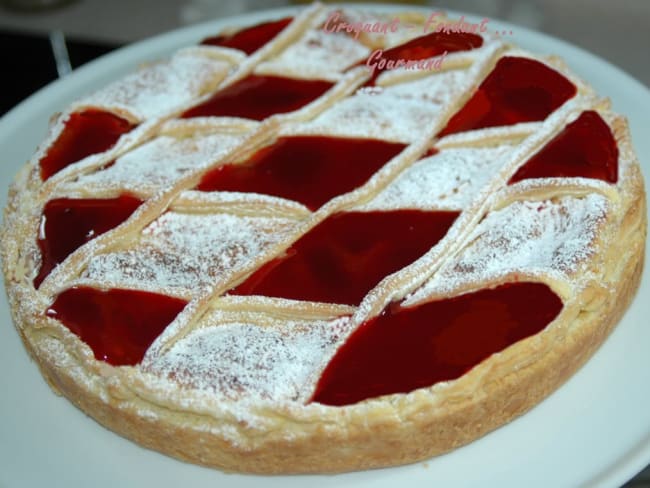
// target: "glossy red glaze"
[[517, 90], [430, 152], [308, 169], [257, 97], [408, 348], [347, 254], [118, 325], [84, 133], [68, 223], [428, 46], [250, 39], [586, 147]]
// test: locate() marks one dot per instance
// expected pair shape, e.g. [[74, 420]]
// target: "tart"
[[267, 254]]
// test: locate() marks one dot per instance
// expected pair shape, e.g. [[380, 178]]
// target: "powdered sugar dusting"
[[162, 87], [449, 179], [402, 112], [548, 237], [439, 88], [243, 360], [162, 161], [316, 55], [189, 251]]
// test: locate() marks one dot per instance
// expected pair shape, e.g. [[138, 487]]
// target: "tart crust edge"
[[347, 438]]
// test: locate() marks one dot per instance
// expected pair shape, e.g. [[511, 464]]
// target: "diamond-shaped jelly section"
[[118, 325], [84, 133], [420, 48], [249, 39], [257, 97], [67, 223], [408, 348], [346, 255], [517, 90], [307, 169], [586, 147]]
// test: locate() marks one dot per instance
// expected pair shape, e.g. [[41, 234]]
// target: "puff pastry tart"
[[267, 254]]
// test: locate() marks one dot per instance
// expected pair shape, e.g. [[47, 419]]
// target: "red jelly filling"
[[347, 254], [68, 223], [517, 90], [308, 169], [257, 97], [85, 133], [408, 348], [250, 39], [426, 47], [118, 325], [586, 147]]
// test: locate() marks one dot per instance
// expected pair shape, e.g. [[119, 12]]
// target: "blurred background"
[[32, 31]]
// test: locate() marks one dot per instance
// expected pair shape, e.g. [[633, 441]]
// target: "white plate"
[[594, 431]]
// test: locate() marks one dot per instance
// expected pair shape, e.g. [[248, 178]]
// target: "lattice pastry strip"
[[500, 189], [448, 179], [169, 254], [253, 355], [157, 164], [548, 240], [127, 111], [557, 238], [432, 215], [382, 108], [130, 215], [248, 86], [138, 159], [551, 243], [184, 253], [160, 89], [570, 249], [130, 111], [316, 54], [156, 255]]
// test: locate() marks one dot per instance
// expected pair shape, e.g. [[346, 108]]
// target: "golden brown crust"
[[266, 437], [379, 441]]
